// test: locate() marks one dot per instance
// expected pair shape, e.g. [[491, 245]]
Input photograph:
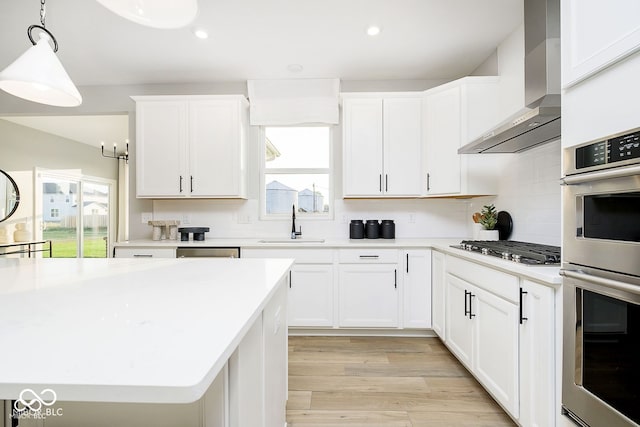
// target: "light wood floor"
[[380, 381]]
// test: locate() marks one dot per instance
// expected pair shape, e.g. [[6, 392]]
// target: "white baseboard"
[[361, 332]]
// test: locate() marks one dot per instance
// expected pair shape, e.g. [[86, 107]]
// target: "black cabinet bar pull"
[[386, 182], [466, 309], [369, 256], [395, 279], [191, 183], [380, 182], [289, 279], [428, 179], [181, 183], [471, 315], [522, 318], [407, 263]]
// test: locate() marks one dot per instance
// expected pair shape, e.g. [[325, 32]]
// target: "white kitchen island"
[[132, 342]]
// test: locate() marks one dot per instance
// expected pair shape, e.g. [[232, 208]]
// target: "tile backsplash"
[[530, 192]]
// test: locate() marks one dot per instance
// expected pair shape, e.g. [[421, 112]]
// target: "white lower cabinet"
[[311, 295], [537, 350], [311, 286], [482, 331], [417, 292], [502, 328], [368, 295], [246, 375], [438, 294], [495, 355], [274, 322], [459, 325]]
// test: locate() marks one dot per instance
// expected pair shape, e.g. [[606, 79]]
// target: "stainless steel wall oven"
[[601, 268]]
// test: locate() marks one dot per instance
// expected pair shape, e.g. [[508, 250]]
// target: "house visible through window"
[[55, 213], [297, 170]]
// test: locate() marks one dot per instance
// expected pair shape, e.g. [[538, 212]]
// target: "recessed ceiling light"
[[295, 68], [373, 30], [201, 33]]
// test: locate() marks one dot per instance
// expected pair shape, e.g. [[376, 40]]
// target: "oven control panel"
[[612, 150]]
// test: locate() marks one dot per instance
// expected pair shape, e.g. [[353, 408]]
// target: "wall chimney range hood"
[[539, 122]]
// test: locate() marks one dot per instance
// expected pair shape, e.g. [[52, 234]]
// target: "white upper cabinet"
[[595, 37], [216, 148], [191, 146], [362, 147], [161, 148], [382, 145], [456, 113]]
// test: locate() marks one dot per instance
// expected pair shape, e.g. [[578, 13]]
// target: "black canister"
[[388, 229], [356, 229], [372, 229]]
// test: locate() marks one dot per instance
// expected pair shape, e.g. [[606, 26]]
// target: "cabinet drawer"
[[359, 256], [301, 256], [501, 284], [145, 252]]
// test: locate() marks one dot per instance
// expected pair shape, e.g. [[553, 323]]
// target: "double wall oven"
[[601, 269]]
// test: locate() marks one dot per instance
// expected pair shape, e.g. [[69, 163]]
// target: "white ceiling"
[[253, 39], [257, 39]]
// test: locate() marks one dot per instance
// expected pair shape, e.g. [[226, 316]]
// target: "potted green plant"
[[488, 220]]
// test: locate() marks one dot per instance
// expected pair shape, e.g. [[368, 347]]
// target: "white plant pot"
[[488, 234]]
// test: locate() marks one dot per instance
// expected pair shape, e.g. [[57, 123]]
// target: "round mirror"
[[9, 196]]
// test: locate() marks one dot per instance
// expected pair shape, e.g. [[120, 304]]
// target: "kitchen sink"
[[291, 241]]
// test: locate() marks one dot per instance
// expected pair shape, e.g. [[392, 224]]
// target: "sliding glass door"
[[75, 214]]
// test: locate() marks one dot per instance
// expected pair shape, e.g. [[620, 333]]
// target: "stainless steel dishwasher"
[[207, 252]]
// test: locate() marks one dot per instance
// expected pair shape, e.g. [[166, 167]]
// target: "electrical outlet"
[[412, 218], [146, 217], [244, 219], [186, 219]]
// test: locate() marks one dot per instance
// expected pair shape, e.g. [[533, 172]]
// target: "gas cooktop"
[[521, 252]]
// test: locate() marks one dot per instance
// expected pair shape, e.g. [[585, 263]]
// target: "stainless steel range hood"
[[540, 121]]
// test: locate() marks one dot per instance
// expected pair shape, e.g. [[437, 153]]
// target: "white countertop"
[[126, 330], [545, 274]]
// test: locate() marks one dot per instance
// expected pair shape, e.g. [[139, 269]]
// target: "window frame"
[[323, 216]]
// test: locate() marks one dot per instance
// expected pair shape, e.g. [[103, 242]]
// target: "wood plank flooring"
[[383, 381]]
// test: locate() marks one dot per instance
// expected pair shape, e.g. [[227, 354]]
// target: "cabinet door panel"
[[161, 148], [402, 146], [594, 37], [444, 127], [311, 295], [362, 147], [537, 355], [214, 143], [417, 289], [438, 294], [368, 295], [459, 328], [496, 347], [275, 359]]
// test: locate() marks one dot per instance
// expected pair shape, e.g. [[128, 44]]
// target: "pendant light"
[[155, 13], [38, 75]]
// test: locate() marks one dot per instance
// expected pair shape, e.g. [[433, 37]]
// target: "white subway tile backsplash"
[[530, 192]]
